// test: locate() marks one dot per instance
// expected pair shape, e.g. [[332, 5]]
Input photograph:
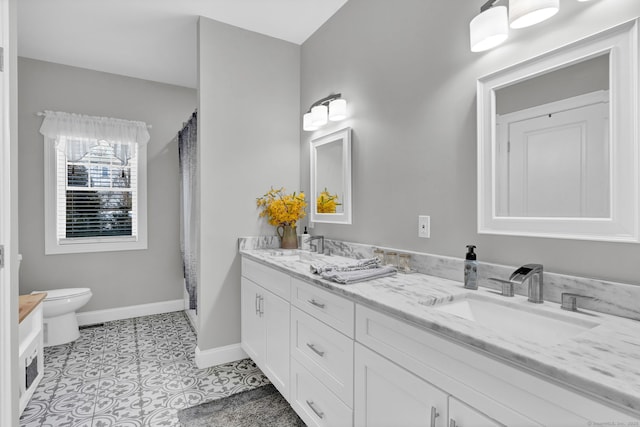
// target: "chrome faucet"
[[507, 286], [533, 274], [318, 247], [569, 301]]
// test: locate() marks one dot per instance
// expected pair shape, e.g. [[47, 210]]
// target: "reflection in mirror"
[[557, 142], [552, 143], [331, 178]]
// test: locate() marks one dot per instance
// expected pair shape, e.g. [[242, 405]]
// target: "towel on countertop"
[[355, 276], [320, 267]]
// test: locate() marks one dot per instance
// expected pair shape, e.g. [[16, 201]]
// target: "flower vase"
[[288, 236]]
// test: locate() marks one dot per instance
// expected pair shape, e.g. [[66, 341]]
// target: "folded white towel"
[[320, 267], [355, 276]]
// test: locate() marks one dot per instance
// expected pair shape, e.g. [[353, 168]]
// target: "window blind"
[[97, 194]]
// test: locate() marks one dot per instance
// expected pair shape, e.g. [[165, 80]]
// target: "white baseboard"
[[219, 355], [101, 316]]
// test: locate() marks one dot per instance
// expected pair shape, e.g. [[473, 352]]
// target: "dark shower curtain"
[[190, 226]]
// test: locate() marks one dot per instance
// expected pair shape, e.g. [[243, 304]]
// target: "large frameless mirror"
[[331, 178], [557, 143]]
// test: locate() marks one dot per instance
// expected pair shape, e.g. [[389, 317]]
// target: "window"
[[95, 193]]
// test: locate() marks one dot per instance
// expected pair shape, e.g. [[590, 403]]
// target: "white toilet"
[[59, 312], [60, 325]]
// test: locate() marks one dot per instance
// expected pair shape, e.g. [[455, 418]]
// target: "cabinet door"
[[276, 357], [387, 395], [461, 415], [252, 326]]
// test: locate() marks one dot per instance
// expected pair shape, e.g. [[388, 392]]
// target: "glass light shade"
[[524, 13], [488, 29], [337, 109], [306, 123], [319, 115]]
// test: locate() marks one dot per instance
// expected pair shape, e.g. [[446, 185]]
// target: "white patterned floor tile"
[[78, 406], [34, 412], [131, 373], [161, 418], [30, 423]]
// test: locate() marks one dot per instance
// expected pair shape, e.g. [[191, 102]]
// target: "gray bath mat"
[[262, 406]]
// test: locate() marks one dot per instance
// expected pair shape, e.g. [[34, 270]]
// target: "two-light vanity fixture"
[[491, 27], [332, 107]]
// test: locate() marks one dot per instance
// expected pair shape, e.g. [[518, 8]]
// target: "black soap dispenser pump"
[[305, 240], [470, 269]]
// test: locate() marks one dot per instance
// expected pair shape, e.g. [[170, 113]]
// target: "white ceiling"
[[152, 39]]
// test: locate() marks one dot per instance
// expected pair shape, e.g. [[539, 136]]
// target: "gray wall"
[[116, 279], [249, 96], [578, 79], [410, 80]]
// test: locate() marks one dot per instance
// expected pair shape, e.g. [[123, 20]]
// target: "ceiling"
[[152, 39]]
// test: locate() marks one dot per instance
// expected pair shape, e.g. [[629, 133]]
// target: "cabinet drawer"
[[273, 280], [334, 310], [325, 352], [314, 403]]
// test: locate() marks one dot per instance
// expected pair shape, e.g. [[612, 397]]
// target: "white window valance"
[[87, 131]]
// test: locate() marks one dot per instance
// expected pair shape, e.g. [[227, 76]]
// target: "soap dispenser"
[[470, 269], [305, 240]]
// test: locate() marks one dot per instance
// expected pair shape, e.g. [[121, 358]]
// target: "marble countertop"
[[602, 360]]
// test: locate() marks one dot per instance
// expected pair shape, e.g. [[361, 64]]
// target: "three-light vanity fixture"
[[491, 27], [332, 107]]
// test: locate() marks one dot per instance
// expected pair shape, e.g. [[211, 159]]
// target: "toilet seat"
[[58, 294]]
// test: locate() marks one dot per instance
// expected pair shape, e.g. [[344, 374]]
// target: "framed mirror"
[[330, 199], [557, 142]]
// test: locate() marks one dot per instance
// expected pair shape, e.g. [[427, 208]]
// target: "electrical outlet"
[[424, 226]]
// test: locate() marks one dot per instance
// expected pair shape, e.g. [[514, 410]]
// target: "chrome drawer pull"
[[320, 414], [315, 350], [316, 303], [257, 306], [434, 415]]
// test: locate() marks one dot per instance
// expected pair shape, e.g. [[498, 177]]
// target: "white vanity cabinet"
[[265, 313], [483, 390], [339, 363], [30, 350]]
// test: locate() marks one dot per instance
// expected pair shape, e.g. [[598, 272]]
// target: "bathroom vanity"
[[388, 352], [30, 358]]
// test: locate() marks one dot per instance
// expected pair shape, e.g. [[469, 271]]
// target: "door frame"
[[8, 215]]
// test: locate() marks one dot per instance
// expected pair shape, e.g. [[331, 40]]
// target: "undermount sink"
[[518, 318]]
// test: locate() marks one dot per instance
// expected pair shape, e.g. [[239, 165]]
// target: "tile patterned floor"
[[131, 373]]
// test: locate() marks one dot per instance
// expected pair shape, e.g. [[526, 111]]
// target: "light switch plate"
[[424, 226]]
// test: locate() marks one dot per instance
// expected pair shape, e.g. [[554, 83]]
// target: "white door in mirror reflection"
[[553, 160]]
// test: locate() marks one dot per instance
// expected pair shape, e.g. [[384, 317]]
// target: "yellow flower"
[[326, 202], [282, 208]]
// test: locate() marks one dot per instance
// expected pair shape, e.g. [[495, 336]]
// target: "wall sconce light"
[[525, 13], [490, 28], [319, 115], [332, 107]]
